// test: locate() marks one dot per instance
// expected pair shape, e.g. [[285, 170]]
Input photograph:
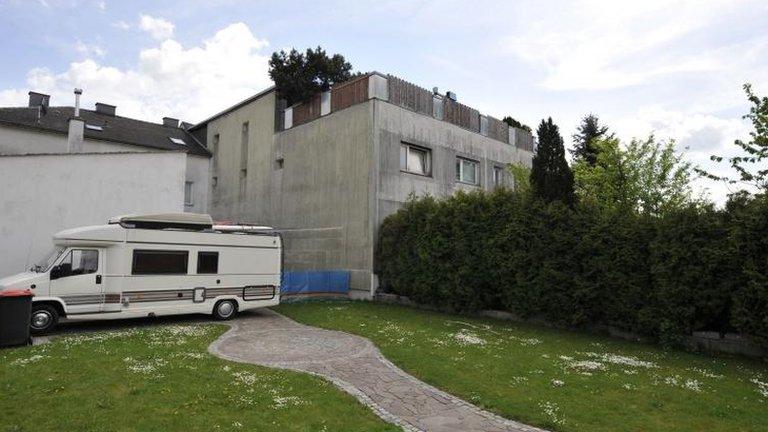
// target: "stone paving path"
[[355, 365]]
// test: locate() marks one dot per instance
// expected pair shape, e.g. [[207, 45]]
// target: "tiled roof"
[[117, 129]]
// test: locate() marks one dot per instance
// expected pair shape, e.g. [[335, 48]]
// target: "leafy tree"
[[522, 177], [749, 166], [299, 76], [514, 123], [646, 176], [551, 177], [589, 131]]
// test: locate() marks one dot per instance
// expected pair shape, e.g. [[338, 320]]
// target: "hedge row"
[[698, 268]]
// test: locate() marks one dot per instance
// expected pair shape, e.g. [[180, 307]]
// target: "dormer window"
[[178, 141]]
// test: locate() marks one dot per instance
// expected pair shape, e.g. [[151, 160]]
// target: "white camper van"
[[152, 265]]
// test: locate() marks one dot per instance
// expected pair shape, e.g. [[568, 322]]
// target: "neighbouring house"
[[63, 167], [326, 172]]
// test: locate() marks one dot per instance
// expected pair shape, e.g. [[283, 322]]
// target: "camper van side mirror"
[[55, 273]]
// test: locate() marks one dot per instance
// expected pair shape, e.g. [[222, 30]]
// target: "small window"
[[79, 262], [498, 176], [207, 262], [189, 188], [415, 160], [178, 141], [150, 262], [466, 171], [94, 127]]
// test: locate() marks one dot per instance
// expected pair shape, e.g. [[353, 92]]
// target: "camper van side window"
[[149, 262], [207, 262], [78, 262]]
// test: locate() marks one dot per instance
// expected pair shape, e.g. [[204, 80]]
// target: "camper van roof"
[[165, 218]]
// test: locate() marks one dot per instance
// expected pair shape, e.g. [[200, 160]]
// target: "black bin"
[[15, 313]]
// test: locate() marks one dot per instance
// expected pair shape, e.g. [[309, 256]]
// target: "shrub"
[[695, 268]]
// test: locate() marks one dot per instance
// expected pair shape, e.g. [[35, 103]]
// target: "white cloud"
[[605, 45], [158, 28], [102, 5], [169, 79], [122, 25], [89, 50]]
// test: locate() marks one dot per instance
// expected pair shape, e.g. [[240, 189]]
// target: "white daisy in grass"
[[557, 383], [466, 337], [552, 411], [762, 387]]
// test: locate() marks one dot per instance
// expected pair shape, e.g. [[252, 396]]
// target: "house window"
[[207, 262], [188, 191], [150, 262], [498, 176], [415, 160], [467, 171]]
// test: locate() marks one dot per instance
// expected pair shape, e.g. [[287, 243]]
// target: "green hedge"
[[695, 269]]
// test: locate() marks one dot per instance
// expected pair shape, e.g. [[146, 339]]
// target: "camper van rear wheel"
[[44, 318], [225, 310]]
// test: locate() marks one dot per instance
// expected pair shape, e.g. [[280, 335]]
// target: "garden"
[[162, 378], [557, 379]]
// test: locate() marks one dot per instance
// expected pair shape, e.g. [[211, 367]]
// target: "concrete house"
[[328, 171], [63, 167]]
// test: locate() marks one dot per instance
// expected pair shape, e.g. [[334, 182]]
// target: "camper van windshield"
[[45, 263]]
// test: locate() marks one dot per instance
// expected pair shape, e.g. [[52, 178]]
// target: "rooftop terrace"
[[406, 95]]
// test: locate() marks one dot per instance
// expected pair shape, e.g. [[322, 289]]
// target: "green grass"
[[557, 379], [161, 378]]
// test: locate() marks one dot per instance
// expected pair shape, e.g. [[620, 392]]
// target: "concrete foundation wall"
[[44, 194]]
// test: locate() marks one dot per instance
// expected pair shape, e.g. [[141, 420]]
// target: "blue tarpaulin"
[[315, 282]]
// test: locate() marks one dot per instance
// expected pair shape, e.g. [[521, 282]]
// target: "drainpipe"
[[76, 127]]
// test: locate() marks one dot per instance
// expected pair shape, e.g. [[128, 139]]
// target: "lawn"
[[560, 380], [161, 378]]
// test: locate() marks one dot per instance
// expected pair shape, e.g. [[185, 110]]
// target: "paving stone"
[[356, 366]]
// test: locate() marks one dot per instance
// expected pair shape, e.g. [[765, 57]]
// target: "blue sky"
[[671, 67]]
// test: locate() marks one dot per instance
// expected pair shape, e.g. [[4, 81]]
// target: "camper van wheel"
[[44, 318], [224, 310]]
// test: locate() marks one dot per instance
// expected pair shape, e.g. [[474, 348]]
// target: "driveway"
[[355, 365]]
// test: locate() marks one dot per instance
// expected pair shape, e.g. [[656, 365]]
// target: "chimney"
[[105, 109], [170, 122], [38, 99], [76, 127]]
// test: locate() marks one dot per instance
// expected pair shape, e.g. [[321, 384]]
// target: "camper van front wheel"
[[224, 310], [44, 318]]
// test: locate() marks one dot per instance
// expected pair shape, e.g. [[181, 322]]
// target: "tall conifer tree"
[[584, 147], [551, 177]]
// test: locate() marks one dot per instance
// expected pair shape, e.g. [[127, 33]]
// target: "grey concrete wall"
[[225, 202], [318, 197], [339, 178], [395, 125], [198, 172], [44, 194]]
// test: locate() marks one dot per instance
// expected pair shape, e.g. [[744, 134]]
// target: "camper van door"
[[77, 279]]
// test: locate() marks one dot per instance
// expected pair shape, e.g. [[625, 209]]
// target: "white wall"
[[15, 140], [43, 194]]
